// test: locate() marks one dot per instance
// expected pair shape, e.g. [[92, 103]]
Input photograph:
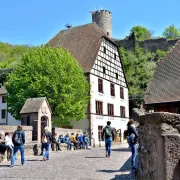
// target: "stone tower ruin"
[[103, 19]]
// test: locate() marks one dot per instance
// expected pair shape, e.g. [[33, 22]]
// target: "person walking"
[[9, 143], [3, 147], [46, 143], [132, 140], [108, 135], [18, 140]]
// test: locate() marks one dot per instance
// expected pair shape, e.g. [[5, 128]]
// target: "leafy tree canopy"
[[171, 32], [52, 73], [139, 67], [11, 54], [141, 32]]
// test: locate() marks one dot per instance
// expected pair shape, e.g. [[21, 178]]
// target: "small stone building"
[[36, 112], [163, 93]]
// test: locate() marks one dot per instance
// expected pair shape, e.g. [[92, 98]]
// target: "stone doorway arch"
[[44, 123]]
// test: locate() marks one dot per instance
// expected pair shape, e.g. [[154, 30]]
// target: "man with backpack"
[[18, 140], [108, 134]]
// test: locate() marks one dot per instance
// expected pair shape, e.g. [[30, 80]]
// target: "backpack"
[[108, 131], [44, 139], [131, 139], [18, 139]]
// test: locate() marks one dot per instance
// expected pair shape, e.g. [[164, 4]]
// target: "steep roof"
[[83, 42], [33, 105], [165, 85], [3, 90]]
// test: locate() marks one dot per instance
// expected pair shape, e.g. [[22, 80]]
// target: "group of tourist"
[[14, 142], [78, 141]]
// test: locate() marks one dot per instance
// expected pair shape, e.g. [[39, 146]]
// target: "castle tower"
[[103, 19]]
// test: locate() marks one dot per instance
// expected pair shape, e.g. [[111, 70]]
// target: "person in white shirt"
[[9, 143]]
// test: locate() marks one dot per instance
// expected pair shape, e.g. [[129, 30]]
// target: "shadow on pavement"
[[35, 160], [108, 171], [122, 149], [124, 171], [4, 166], [123, 177], [94, 157]]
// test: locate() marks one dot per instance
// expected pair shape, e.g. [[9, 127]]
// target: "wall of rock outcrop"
[[159, 147], [150, 44]]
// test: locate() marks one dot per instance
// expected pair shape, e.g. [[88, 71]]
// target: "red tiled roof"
[[165, 85], [83, 42]]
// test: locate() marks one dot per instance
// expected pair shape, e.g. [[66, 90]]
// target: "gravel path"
[[73, 165]]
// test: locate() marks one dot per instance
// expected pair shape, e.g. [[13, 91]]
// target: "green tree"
[[11, 54], [52, 73], [141, 32], [139, 67], [171, 32]]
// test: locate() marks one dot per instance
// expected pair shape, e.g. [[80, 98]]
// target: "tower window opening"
[[104, 50], [116, 75], [108, 33], [104, 70]]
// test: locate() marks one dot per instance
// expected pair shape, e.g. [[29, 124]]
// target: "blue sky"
[[34, 22]]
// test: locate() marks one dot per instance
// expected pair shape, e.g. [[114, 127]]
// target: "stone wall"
[[151, 44], [27, 130], [63, 131], [159, 147]]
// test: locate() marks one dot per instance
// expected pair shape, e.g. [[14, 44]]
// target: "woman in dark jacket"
[[132, 139]]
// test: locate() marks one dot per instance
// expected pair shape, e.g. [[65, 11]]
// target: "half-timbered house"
[[99, 57]]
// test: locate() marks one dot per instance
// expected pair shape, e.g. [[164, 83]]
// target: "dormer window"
[[104, 50], [104, 70]]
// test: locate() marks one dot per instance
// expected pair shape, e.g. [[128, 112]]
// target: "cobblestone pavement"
[[73, 165]]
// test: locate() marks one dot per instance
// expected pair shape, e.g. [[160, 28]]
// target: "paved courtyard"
[[73, 165]]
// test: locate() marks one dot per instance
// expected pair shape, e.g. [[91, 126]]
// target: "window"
[[112, 90], [114, 56], [100, 132], [121, 93], [28, 120], [104, 50], [110, 109], [116, 75], [122, 111], [3, 99], [108, 33], [99, 107], [100, 85], [3, 113], [104, 70]]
